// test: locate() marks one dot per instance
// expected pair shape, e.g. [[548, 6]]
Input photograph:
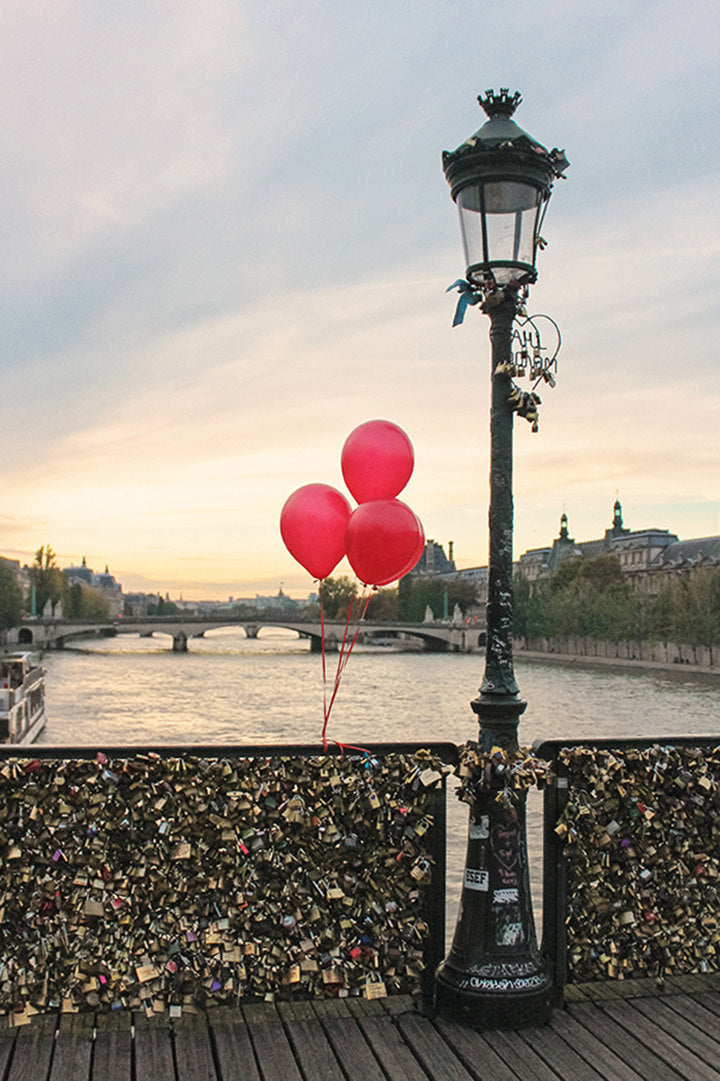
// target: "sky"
[[227, 242]]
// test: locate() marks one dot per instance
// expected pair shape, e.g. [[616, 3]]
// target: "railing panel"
[[632, 858], [155, 877]]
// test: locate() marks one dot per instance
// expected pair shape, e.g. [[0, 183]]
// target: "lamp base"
[[493, 1003]]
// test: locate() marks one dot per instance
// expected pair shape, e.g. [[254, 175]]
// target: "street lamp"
[[501, 180]]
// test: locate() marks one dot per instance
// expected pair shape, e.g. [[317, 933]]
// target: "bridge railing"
[[153, 876], [631, 861]]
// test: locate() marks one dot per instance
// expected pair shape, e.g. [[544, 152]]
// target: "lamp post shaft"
[[493, 975], [499, 684]]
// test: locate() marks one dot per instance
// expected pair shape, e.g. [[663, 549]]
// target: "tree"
[[463, 593], [384, 605], [416, 594], [49, 582], [698, 610], [11, 598], [164, 607], [423, 593], [663, 622], [336, 595], [83, 602]]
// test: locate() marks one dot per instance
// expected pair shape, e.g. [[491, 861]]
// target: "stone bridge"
[[56, 633]]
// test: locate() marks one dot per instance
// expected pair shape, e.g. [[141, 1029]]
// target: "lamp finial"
[[502, 104]]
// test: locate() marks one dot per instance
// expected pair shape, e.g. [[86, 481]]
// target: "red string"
[[324, 669], [343, 658], [349, 747]]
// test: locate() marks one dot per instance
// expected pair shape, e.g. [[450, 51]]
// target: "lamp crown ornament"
[[502, 104]]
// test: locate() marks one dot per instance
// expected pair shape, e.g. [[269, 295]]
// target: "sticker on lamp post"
[[477, 880]]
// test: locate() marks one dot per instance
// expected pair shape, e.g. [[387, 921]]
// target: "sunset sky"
[[227, 240]]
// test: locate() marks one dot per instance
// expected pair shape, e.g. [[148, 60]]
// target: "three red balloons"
[[382, 538]]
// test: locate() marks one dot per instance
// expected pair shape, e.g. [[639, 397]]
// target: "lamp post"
[[501, 180]]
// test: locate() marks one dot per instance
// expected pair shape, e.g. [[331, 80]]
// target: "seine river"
[[229, 689]]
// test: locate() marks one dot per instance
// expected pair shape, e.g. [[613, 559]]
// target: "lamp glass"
[[499, 221]]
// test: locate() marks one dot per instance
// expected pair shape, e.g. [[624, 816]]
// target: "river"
[[229, 689]]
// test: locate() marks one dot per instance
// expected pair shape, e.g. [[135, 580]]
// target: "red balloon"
[[384, 540], [312, 524], [377, 460]]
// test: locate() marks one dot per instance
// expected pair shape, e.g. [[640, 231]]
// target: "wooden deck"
[[599, 1036]]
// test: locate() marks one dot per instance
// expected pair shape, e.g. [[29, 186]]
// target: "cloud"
[[228, 243]]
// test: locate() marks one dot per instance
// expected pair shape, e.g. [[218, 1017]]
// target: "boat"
[[22, 698]]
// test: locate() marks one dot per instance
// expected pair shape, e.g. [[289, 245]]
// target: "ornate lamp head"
[[501, 179]]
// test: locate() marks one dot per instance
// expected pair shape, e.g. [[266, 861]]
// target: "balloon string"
[[324, 667], [338, 673], [343, 658], [349, 747]]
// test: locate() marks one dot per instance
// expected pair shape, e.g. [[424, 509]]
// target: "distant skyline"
[[227, 240], [270, 587]]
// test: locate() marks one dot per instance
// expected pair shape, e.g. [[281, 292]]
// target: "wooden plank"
[[302, 1010], [7, 1046], [525, 1062], [684, 984], [394, 1056], [112, 1058], [272, 1048], [153, 1048], [699, 1043], [73, 1047], [606, 1062], [34, 1049], [596, 992], [233, 1047], [481, 1061], [642, 1059], [399, 1004], [351, 1049], [710, 1000], [436, 1058], [692, 1008], [193, 1050], [331, 1007], [365, 1007], [654, 1036], [313, 1051], [559, 1056]]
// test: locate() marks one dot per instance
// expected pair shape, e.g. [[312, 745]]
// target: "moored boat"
[[22, 698]]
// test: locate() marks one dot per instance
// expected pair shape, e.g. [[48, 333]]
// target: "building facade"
[[105, 584], [646, 556]]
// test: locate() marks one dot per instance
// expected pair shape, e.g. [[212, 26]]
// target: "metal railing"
[[556, 885], [435, 802]]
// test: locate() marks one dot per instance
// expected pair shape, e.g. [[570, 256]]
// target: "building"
[[646, 556], [137, 604], [433, 562], [105, 584]]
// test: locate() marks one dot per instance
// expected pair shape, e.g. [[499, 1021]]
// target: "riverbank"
[[641, 655]]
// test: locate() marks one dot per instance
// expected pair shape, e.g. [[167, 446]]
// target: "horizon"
[[270, 587]]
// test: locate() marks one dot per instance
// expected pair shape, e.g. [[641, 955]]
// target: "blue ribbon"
[[468, 295]]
